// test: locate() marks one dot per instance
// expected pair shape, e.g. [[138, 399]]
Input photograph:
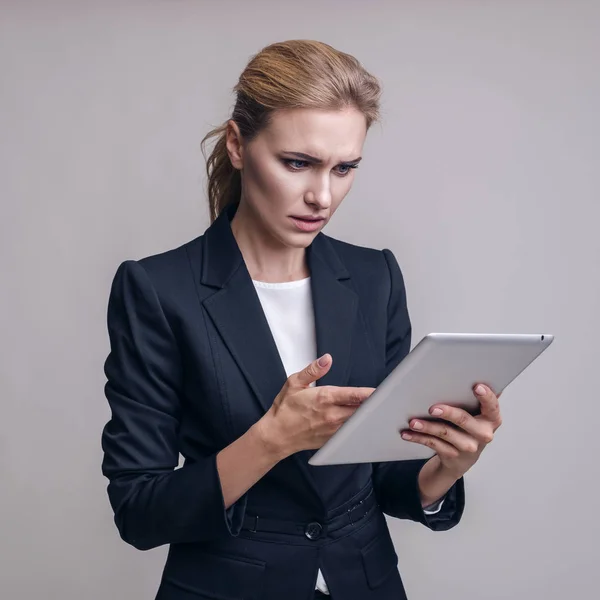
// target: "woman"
[[214, 349]]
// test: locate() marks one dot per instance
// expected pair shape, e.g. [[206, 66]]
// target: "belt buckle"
[[358, 506], [350, 512]]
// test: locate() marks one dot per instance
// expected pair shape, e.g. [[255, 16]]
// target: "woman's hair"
[[284, 75]]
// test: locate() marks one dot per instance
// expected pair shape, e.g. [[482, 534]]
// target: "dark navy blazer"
[[192, 366]]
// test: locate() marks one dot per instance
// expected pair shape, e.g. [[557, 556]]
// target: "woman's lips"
[[306, 225]]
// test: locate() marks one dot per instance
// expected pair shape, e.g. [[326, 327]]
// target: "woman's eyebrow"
[[316, 160]]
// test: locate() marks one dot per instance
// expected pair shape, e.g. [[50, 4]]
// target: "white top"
[[289, 311]]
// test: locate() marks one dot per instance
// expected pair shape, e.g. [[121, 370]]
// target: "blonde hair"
[[284, 75]]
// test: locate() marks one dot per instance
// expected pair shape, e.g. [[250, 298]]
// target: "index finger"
[[351, 395], [490, 407]]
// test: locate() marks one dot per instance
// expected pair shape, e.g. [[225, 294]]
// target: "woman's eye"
[[290, 162], [298, 165], [348, 168]]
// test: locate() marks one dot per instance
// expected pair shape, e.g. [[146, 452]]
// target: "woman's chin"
[[302, 240]]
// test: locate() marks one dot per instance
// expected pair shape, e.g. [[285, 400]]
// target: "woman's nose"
[[320, 197]]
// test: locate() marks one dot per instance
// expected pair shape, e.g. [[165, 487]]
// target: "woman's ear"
[[234, 144]]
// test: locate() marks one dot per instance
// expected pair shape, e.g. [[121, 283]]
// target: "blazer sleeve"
[[396, 482], [153, 502]]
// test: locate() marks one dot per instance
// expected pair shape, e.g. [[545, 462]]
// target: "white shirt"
[[289, 311]]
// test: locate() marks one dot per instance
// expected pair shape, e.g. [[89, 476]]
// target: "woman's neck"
[[266, 258]]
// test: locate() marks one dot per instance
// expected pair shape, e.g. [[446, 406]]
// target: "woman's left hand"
[[459, 441]]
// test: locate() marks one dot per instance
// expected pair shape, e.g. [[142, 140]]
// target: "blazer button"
[[313, 531]]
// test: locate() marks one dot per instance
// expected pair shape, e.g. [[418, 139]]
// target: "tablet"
[[442, 367]]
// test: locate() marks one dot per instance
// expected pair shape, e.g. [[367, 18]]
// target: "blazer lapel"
[[238, 315], [335, 307]]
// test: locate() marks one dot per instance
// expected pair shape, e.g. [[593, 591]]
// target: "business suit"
[[192, 366]]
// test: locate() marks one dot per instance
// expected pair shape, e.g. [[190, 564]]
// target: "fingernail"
[[322, 361], [480, 390], [407, 436], [437, 412], [417, 425]]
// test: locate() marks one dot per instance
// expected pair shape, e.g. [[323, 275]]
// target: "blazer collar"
[[222, 256]]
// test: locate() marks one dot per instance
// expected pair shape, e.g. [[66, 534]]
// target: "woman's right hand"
[[304, 417]]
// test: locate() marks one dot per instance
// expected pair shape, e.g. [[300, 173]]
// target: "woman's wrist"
[[270, 439], [434, 481]]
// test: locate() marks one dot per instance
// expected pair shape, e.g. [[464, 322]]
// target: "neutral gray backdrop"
[[482, 178]]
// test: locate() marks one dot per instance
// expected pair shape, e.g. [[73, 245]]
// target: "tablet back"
[[443, 367]]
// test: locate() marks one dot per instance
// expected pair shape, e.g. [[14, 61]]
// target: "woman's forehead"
[[318, 133]]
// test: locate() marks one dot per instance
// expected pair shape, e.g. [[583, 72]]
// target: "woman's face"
[[301, 165]]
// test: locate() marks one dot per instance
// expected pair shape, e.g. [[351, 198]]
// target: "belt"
[[314, 529]]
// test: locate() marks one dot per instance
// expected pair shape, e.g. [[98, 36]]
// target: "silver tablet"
[[442, 367]]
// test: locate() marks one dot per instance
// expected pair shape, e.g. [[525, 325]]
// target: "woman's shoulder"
[[170, 263], [171, 273]]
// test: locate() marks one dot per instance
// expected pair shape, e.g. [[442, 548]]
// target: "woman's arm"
[[246, 461], [404, 488], [155, 503]]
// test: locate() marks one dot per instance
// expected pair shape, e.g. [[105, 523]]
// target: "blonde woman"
[[246, 348]]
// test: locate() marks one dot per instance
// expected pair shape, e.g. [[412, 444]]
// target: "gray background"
[[482, 178]]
